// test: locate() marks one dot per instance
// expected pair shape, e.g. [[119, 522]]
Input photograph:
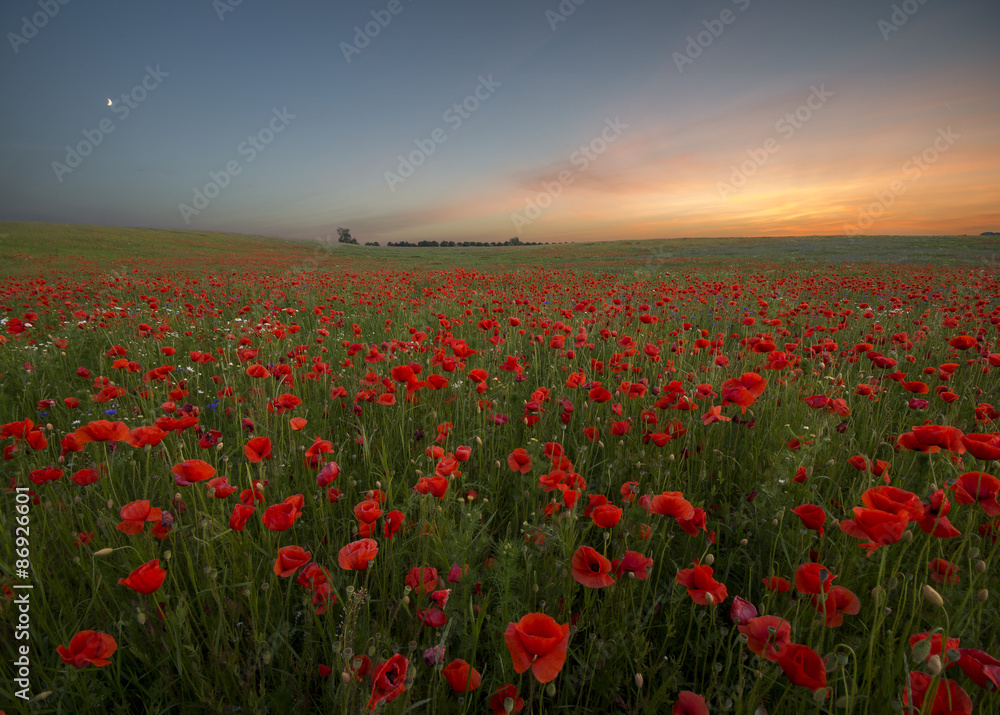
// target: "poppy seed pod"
[[933, 597]]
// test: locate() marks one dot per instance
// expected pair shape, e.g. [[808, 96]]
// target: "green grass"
[[235, 637], [61, 246]]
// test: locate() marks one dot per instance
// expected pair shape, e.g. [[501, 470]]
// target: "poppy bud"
[[142, 619], [550, 690], [508, 705], [932, 596], [934, 664], [709, 559], [638, 680], [980, 566], [982, 595], [103, 552]]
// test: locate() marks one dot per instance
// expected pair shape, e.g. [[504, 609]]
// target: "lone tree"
[[344, 236]]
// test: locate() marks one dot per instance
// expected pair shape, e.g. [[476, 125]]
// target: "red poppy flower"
[[290, 559], [539, 643], [671, 504], [135, 514], [367, 511], [590, 569], [835, 604], [689, 703], [946, 696], [432, 617], [744, 390], [88, 648], [978, 487], [357, 555], [220, 488], [943, 571], [962, 342], [766, 635], [45, 474], [606, 516], [280, 517], [812, 516], [258, 449], [802, 665], [634, 563], [192, 470], [742, 611], [931, 438], [422, 579], [393, 521], [145, 579], [388, 680], [982, 668], [141, 436], [702, 588], [813, 578], [983, 446], [894, 501], [934, 521], [777, 583], [241, 514], [879, 527], [505, 693], [102, 431], [462, 677], [519, 461]]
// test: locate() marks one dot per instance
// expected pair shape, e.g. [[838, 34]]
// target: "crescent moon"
[[109, 102]]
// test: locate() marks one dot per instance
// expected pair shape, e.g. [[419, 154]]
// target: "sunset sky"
[[627, 119]]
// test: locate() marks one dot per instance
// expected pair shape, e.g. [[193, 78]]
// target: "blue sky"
[[630, 119]]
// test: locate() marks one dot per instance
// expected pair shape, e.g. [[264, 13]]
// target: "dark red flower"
[[388, 680], [802, 665], [88, 648], [539, 643], [590, 569], [461, 676]]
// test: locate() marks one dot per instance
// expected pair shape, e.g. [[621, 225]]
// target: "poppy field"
[[625, 485]]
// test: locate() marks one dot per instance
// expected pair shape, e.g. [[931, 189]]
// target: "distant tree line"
[[344, 236], [515, 241], [990, 233]]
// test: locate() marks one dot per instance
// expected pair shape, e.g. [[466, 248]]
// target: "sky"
[[552, 121]]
